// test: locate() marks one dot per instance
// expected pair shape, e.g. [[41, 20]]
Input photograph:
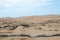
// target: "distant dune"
[[30, 28]]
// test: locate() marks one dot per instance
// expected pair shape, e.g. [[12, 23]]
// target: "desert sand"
[[30, 28]]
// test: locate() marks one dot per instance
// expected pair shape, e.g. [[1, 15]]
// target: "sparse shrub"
[[10, 27], [56, 35], [55, 30], [43, 24], [50, 30], [24, 35], [43, 35], [25, 25], [40, 28], [3, 35]]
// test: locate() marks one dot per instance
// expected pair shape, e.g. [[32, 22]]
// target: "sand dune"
[[46, 27]]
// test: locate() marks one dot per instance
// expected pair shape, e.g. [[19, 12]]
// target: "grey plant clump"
[[25, 25], [12, 35], [56, 35], [24, 35], [10, 27], [42, 35], [27, 35]]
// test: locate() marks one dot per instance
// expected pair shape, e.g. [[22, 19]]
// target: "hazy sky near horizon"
[[17, 8]]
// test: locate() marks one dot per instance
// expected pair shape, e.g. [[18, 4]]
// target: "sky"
[[18, 8]]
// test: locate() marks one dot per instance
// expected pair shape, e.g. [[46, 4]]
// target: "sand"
[[31, 27]]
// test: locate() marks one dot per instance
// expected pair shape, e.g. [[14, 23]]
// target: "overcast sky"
[[17, 8]]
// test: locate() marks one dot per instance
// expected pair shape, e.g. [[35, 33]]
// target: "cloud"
[[23, 3]]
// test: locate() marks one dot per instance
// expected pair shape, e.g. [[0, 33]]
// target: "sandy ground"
[[26, 38], [31, 25]]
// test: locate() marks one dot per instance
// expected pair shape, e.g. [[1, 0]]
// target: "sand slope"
[[32, 26]]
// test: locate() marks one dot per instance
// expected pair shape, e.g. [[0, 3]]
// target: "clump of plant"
[[25, 25]]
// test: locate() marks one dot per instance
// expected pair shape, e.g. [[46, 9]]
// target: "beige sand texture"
[[30, 28]]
